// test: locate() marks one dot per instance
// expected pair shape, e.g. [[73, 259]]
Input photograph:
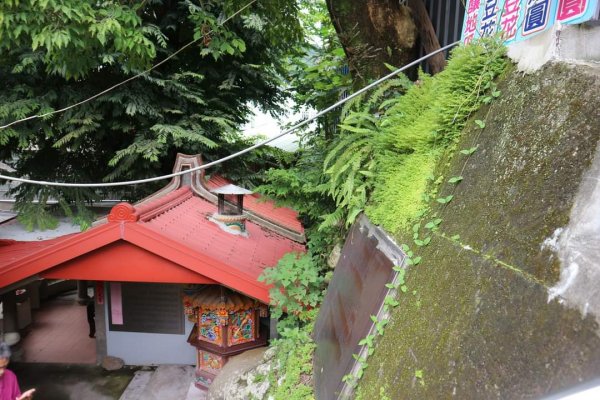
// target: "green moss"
[[480, 329], [292, 379], [408, 179], [423, 123]]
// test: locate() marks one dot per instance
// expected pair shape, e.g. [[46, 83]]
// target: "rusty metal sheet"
[[356, 292]]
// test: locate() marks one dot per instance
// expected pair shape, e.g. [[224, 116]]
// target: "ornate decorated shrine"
[[226, 323]]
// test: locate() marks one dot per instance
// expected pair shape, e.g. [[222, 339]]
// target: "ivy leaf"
[[496, 93], [417, 260], [469, 151], [455, 179], [480, 123], [445, 200]]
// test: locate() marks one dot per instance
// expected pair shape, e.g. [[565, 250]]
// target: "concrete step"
[[195, 394], [137, 385], [165, 382]]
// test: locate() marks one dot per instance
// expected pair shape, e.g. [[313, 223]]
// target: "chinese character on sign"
[[489, 20], [569, 9], [509, 19], [536, 16], [473, 6], [471, 21]]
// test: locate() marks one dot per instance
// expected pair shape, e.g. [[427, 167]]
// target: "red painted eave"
[[170, 240]]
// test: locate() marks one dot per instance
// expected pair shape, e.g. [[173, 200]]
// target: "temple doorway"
[[59, 333]]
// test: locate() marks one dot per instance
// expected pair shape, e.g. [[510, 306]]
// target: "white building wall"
[[579, 44], [136, 348]]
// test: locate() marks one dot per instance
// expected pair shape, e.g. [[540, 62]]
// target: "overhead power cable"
[[241, 152], [128, 79]]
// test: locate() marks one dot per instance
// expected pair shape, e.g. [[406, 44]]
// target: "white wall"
[[137, 348], [570, 43]]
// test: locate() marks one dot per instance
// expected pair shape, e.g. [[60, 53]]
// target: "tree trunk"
[[429, 39], [374, 32]]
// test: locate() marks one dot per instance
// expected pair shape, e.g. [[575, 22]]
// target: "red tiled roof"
[[167, 237], [12, 250], [187, 222], [172, 232], [267, 209]]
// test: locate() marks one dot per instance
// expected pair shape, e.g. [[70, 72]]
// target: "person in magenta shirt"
[[9, 386]]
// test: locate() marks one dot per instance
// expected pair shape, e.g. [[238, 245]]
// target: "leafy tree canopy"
[[54, 53]]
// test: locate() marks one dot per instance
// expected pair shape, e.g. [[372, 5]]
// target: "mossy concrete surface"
[[477, 321]]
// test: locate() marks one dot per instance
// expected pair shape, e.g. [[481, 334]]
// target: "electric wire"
[[243, 151], [126, 80]]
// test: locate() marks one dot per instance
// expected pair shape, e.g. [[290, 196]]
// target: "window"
[[145, 307]]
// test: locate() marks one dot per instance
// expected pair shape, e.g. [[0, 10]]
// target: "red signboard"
[[99, 292], [568, 9]]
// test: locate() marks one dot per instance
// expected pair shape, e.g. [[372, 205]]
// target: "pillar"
[[82, 294], [10, 328], [34, 294]]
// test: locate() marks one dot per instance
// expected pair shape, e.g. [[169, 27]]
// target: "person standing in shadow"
[[91, 313], [9, 386]]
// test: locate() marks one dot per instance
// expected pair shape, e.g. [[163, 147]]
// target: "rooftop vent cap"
[[230, 214]]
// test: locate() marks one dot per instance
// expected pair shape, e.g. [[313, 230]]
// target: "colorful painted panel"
[[241, 327], [209, 329], [209, 361], [519, 20]]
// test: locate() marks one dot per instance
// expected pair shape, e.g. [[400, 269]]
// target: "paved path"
[[173, 382], [59, 334]]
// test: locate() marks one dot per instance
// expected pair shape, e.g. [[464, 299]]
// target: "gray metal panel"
[[447, 18], [355, 293], [150, 307]]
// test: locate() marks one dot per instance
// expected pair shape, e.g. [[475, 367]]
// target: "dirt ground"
[[72, 382]]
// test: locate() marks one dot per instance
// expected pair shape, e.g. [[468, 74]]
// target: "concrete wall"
[[579, 44], [137, 348], [510, 308], [151, 348]]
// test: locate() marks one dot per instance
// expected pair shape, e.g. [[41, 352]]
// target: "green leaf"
[[455, 237], [455, 179], [445, 200], [496, 93], [469, 151], [480, 123]]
